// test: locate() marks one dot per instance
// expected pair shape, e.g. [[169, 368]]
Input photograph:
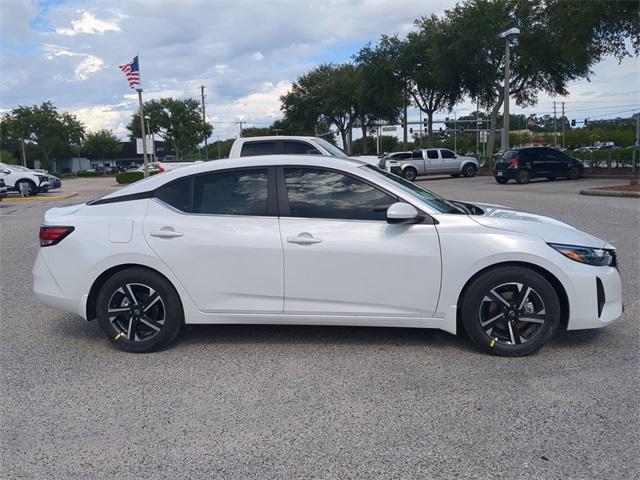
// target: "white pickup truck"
[[297, 145], [431, 161]]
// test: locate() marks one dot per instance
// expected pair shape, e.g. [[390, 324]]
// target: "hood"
[[61, 211], [549, 229]]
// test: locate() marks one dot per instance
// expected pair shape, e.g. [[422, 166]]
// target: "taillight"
[[160, 169], [53, 235], [515, 163]]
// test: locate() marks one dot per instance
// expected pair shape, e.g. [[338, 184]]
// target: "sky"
[[245, 52]]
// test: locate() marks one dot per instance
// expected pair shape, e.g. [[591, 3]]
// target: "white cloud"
[[258, 56], [89, 64], [88, 23]]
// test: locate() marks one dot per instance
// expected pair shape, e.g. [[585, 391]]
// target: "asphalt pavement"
[[320, 402]]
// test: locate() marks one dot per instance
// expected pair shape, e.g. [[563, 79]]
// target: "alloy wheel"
[[137, 312], [512, 313]]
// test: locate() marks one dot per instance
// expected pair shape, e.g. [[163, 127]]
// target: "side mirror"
[[401, 212]]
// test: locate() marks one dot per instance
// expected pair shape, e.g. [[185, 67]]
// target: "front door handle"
[[166, 233], [304, 239]]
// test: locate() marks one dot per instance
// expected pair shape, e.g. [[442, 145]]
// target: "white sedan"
[[318, 241]]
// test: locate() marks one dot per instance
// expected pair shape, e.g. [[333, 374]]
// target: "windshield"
[[332, 149], [15, 168], [432, 199]]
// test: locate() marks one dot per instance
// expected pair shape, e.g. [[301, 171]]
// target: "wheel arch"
[[550, 277], [106, 275]]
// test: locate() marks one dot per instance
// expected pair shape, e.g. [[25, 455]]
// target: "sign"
[[484, 136], [139, 149], [389, 129]]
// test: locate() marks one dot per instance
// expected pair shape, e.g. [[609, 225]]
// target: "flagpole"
[[144, 136]]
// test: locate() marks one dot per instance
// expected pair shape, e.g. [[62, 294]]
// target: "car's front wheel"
[[523, 177], [139, 310], [26, 188], [510, 311], [469, 170], [574, 173], [410, 174]]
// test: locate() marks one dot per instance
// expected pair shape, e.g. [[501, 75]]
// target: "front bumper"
[[596, 298]]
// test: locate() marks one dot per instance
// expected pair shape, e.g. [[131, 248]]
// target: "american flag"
[[132, 71]]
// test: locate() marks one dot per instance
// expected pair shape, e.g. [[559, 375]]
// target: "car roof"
[[151, 183], [279, 137]]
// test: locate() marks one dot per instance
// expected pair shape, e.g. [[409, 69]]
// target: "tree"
[[7, 157], [434, 84], [327, 94], [380, 92], [101, 143], [49, 133], [542, 60], [177, 121]]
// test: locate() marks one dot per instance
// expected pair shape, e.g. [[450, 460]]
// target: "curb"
[[609, 193], [38, 198]]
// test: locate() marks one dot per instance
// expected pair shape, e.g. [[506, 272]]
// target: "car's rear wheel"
[[139, 310], [510, 311], [574, 173], [502, 180], [410, 174], [523, 177], [469, 170]]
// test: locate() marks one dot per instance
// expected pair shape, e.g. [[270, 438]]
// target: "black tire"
[[469, 170], [523, 177], [574, 173], [141, 316], [29, 186], [410, 174], [502, 180], [455, 175], [510, 311]]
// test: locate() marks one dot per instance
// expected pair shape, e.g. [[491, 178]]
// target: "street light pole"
[[507, 74]]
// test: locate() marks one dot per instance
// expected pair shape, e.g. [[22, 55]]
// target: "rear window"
[[508, 156], [258, 148]]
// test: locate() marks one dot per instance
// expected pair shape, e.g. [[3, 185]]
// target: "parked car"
[[294, 145], [24, 180], [523, 164], [54, 182], [310, 239], [430, 161], [393, 156]]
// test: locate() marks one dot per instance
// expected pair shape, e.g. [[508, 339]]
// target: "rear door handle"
[[304, 239], [166, 233]]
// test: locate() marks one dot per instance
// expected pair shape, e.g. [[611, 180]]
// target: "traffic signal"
[[411, 130], [586, 122], [573, 122]]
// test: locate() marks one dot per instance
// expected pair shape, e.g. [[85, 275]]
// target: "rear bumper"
[[506, 173], [47, 290]]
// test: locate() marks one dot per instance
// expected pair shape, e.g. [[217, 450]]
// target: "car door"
[[433, 161], [450, 162], [219, 234], [342, 258]]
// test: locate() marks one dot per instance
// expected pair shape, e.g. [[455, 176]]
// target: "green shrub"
[[90, 174], [130, 177]]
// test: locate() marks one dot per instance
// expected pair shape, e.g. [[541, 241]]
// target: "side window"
[[447, 154], [177, 194], [258, 148], [417, 154], [318, 193], [299, 148], [404, 156], [235, 192], [432, 154]]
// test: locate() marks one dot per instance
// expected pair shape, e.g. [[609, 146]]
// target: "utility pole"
[[455, 132], [563, 120], [405, 132], [637, 149], [144, 135], [555, 126], [240, 122], [204, 125], [505, 120], [24, 153]]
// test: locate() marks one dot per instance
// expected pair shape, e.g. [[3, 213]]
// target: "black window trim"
[[283, 199]]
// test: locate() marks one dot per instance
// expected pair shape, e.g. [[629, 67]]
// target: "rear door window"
[[432, 154], [235, 192], [250, 149]]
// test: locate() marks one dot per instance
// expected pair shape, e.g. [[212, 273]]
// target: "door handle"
[[165, 233], [304, 239]]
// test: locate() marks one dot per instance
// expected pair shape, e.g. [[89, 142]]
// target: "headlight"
[[599, 257]]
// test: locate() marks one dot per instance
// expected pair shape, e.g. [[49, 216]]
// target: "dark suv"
[[523, 164]]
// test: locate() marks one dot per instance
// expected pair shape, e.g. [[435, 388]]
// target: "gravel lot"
[[320, 402]]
